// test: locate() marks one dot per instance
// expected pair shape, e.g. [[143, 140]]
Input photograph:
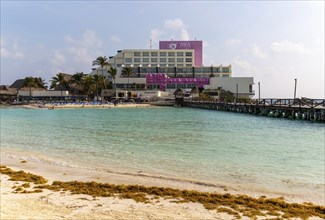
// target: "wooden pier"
[[303, 109]]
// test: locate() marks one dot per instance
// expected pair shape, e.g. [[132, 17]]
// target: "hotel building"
[[176, 64]]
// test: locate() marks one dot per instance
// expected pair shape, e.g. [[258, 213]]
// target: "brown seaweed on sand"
[[235, 205]]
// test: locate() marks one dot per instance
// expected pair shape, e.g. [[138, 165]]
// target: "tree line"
[[81, 83]]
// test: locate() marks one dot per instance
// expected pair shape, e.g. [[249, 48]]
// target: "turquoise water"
[[208, 146]]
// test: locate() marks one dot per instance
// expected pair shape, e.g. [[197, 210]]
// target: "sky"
[[275, 42]]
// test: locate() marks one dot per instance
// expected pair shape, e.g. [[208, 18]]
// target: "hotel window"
[[188, 54], [162, 59], [188, 64], [198, 70], [154, 60], [145, 54], [207, 69], [162, 54], [143, 70], [225, 70], [137, 54], [146, 60], [171, 86], [162, 64], [179, 64], [180, 54], [225, 75], [188, 60], [162, 69], [171, 54], [152, 70], [137, 60], [128, 60], [180, 60], [154, 54], [170, 60], [171, 70]]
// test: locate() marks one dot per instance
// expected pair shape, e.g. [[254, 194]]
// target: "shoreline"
[[77, 106], [67, 205], [56, 170]]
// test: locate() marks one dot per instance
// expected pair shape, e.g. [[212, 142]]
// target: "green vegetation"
[[235, 205], [127, 71]]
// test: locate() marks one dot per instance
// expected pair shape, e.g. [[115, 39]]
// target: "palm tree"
[[30, 82], [112, 71], [100, 82], [77, 80], [41, 83], [59, 81], [127, 71], [101, 61], [89, 85]]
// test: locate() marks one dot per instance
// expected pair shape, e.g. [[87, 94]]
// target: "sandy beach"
[[63, 205], [73, 105]]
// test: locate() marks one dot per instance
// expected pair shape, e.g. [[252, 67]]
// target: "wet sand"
[[63, 205]]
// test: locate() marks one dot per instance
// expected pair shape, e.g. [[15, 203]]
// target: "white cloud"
[[232, 42], [88, 39], [289, 47], [2, 42], [205, 44], [115, 39], [10, 50], [243, 67], [58, 58], [184, 34], [176, 29], [257, 52], [14, 53], [174, 24], [79, 52], [155, 34], [11, 54]]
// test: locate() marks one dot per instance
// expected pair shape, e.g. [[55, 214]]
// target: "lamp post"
[[294, 95], [129, 78], [259, 91], [96, 85], [236, 92], [122, 72]]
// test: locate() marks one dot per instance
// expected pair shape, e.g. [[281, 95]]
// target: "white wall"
[[43, 93], [229, 84]]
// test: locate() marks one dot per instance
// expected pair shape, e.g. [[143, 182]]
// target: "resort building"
[[239, 86], [176, 64], [173, 59]]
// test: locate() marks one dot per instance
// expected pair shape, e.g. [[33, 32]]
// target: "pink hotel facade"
[[185, 45]]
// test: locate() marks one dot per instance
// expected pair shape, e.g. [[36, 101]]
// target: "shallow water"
[[238, 150]]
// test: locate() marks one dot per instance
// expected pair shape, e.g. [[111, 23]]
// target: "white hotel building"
[[180, 60]]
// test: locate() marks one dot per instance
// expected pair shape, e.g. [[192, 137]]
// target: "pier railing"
[[309, 109], [288, 103]]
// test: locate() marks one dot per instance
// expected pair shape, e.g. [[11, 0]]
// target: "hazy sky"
[[273, 41]]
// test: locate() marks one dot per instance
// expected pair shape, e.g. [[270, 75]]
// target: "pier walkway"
[[304, 109]]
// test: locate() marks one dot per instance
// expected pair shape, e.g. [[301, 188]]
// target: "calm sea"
[[234, 149]]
